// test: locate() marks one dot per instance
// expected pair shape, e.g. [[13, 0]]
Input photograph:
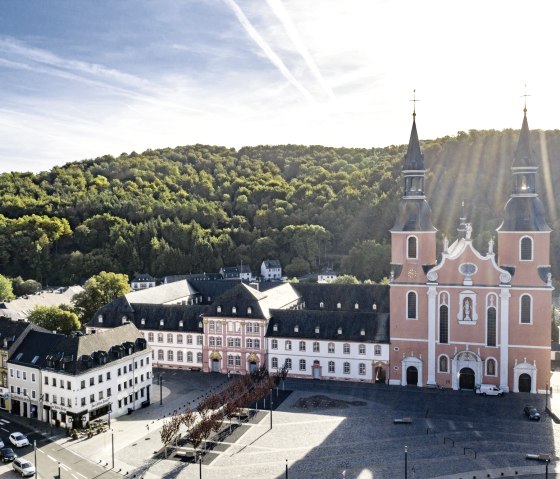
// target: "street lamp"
[[405, 462], [112, 450], [35, 452], [58, 477], [270, 408], [160, 391]]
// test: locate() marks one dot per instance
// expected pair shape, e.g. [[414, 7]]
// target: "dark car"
[[532, 413], [7, 454]]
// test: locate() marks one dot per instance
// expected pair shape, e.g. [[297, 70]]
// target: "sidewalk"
[[553, 407], [51, 432]]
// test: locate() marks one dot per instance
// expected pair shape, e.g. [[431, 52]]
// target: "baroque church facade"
[[470, 317]]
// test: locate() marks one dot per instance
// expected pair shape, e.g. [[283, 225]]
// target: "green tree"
[[6, 290], [368, 260], [345, 279], [29, 286], [54, 318], [98, 291]]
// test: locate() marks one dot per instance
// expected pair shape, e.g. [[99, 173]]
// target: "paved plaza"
[[341, 430]]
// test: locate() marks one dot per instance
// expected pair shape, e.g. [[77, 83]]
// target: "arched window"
[[362, 349], [443, 324], [160, 355], [230, 360], [198, 357], [302, 345], [526, 249], [288, 363], [316, 347], [412, 247], [346, 348], [150, 337], [346, 368], [491, 326], [288, 345], [169, 337], [189, 339], [170, 355], [362, 368], [377, 350], [331, 366], [490, 367], [443, 364], [321, 305], [525, 310], [189, 357], [302, 364], [160, 338], [273, 344], [180, 356], [331, 348], [411, 308], [275, 363]]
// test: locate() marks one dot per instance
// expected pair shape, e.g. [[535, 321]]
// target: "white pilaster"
[[504, 338], [432, 321]]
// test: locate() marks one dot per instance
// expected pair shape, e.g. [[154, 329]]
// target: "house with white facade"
[[328, 275], [70, 380], [143, 281], [271, 269], [240, 273]]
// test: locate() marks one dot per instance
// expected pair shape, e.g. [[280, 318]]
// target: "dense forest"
[[196, 208]]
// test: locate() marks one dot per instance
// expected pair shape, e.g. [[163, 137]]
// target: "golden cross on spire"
[[414, 100], [525, 95]]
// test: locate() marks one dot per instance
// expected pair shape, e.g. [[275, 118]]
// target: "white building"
[[143, 281], [328, 275], [271, 269], [69, 381]]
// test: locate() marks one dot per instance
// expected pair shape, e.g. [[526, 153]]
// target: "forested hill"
[[194, 208]]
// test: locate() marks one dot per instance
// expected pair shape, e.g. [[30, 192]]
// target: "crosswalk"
[[4, 422]]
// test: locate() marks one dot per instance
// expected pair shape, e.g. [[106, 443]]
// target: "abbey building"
[[469, 317]]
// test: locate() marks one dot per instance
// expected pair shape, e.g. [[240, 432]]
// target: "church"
[[467, 317]]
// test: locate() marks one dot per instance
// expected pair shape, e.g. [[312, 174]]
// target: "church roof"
[[414, 159], [523, 154], [414, 214], [524, 213]]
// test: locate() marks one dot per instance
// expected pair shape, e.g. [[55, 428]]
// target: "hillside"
[[193, 208]]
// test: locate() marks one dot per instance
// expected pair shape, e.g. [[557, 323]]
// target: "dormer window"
[[362, 332], [275, 327], [316, 329], [356, 306], [296, 329], [374, 307], [338, 305], [100, 318], [249, 310], [161, 322], [321, 305], [219, 309], [233, 310], [339, 330], [180, 324], [124, 319], [200, 324], [209, 299], [143, 321]]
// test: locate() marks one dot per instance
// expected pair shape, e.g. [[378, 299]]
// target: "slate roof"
[[374, 325], [143, 278], [272, 263], [414, 159], [163, 293], [414, 214], [11, 330], [365, 295], [523, 153], [21, 307], [68, 351], [234, 271]]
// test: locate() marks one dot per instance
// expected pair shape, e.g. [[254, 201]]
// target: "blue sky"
[[80, 79]]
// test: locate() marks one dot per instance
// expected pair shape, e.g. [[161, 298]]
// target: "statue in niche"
[[445, 245], [491, 246], [467, 309]]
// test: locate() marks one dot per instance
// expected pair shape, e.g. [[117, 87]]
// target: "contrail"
[[273, 57], [280, 11]]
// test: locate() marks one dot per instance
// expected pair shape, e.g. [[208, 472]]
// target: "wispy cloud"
[[268, 51], [293, 33]]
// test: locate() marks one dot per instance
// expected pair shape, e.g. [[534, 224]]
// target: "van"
[[24, 467], [488, 390]]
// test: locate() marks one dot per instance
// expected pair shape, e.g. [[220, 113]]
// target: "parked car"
[[18, 439], [532, 413], [24, 467], [488, 390], [7, 454], [1, 443]]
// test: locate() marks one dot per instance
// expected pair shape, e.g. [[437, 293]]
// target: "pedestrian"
[[148, 427], [228, 374]]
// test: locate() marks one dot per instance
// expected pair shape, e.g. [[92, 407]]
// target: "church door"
[[215, 365], [466, 378], [252, 367], [524, 383], [412, 376]]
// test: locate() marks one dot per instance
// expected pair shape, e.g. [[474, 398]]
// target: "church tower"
[[413, 253], [524, 251]]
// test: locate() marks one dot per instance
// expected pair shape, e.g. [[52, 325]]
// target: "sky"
[[83, 78]]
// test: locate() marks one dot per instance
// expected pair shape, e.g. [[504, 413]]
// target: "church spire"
[[523, 154]]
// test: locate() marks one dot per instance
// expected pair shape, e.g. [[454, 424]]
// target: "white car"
[[24, 467], [18, 439]]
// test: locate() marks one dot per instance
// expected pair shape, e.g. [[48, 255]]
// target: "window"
[[490, 367], [302, 364], [211, 341], [316, 347], [411, 305], [237, 361], [160, 355], [377, 350], [237, 342], [230, 342], [411, 248], [346, 348], [525, 316], [91, 398], [234, 310], [169, 337], [331, 366], [82, 384], [443, 324], [249, 342], [288, 363], [230, 360], [160, 338], [274, 344], [198, 357], [362, 349], [108, 392], [99, 380], [331, 348], [83, 401], [302, 345], [256, 343], [491, 327], [170, 355], [55, 400], [46, 380], [199, 340], [347, 368], [218, 327], [443, 364], [212, 324], [288, 345], [180, 356], [526, 249], [321, 305], [249, 327], [275, 363], [150, 337], [100, 395], [91, 381], [249, 311], [218, 341], [189, 339], [362, 369], [189, 357]]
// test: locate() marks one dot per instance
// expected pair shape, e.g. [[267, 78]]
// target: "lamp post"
[[35, 453], [58, 477], [270, 408], [286, 469], [112, 450], [405, 462], [160, 391], [200, 466], [546, 399]]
